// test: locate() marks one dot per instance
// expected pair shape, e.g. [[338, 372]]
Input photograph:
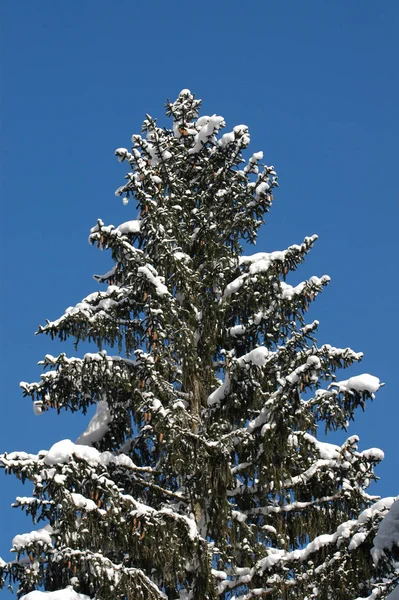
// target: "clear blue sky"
[[316, 82]]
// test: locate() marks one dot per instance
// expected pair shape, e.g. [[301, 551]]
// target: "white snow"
[[227, 138], [257, 356], [364, 382], [326, 450], [388, 533], [237, 330], [37, 405], [123, 154], [24, 500], [207, 127], [241, 131], [239, 134], [373, 454], [256, 156], [155, 279], [63, 451], [98, 425], [312, 363], [289, 291], [219, 574], [216, 396], [381, 505], [39, 536], [239, 516], [182, 256], [60, 453], [129, 227], [66, 594], [82, 502], [266, 257], [357, 540], [262, 188], [263, 265], [234, 286], [202, 121], [359, 383]]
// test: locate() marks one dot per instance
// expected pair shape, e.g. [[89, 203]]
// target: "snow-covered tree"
[[201, 475]]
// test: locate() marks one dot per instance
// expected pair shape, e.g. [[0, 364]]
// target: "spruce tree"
[[201, 474]]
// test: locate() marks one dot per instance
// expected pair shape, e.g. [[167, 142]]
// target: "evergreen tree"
[[200, 475]]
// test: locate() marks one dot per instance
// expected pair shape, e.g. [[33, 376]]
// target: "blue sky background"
[[317, 84]]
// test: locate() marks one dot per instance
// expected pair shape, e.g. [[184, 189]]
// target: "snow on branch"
[[344, 538], [388, 533], [263, 262], [359, 383], [63, 452], [157, 281], [81, 380], [38, 537], [67, 593], [109, 234]]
